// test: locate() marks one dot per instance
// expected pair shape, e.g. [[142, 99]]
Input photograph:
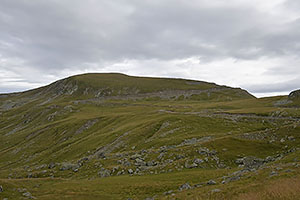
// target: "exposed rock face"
[[295, 94]]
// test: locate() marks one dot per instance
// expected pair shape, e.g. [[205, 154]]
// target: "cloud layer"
[[250, 44]]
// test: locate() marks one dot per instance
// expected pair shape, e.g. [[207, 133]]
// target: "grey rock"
[[51, 165], [69, 166], [250, 162], [189, 166], [135, 156], [149, 198], [104, 173], [294, 95], [115, 169], [215, 190], [269, 159], [291, 138], [151, 163], [126, 164], [211, 182], [86, 126], [130, 171], [239, 161], [168, 192], [28, 195], [185, 186], [160, 156], [231, 179], [198, 161], [168, 161], [139, 162], [207, 152], [120, 172], [273, 173], [179, 156]]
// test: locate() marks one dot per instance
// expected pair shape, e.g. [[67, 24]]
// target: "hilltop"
[[101, 85], [113, 136]]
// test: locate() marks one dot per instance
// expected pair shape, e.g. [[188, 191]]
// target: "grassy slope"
[[36, 134]]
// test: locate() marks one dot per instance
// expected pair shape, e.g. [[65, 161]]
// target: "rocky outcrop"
[[294, 95]]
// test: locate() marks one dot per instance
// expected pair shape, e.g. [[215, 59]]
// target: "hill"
[[112, 136], [119, 85]]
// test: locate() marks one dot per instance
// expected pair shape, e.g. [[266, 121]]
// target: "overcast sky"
[[250, 44]]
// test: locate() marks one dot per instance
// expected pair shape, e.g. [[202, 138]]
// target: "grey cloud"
[[65, 33], [48, 37]]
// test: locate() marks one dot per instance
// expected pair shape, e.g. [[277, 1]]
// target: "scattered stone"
[[288, 170], [239, 161], [30, 175], [198, 161], [250, 162], [130, 171], [151, 163], [231, 178], [215, 190], [179, 156], [160, 156], [51, 165], [69, 166], [273, 173], [211, 182], [104, 173], [269, 159], [291, 138], [28, 195], [126, 163], [86, 126], [149, 198], [168, 192], [21, 190], [185, 186]]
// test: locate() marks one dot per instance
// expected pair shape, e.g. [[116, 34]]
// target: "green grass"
[[35, 133]]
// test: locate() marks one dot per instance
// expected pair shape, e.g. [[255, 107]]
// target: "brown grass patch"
[[285, 189]]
